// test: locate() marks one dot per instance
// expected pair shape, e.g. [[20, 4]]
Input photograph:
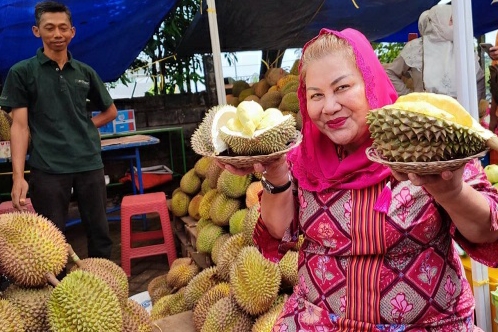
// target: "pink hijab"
[[315, 163]]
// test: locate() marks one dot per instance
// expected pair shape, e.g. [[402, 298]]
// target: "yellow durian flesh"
[[443, 102], [271, 117], [249, 114]]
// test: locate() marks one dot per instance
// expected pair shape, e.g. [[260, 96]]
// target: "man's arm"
[[106, 116], [19, 140]]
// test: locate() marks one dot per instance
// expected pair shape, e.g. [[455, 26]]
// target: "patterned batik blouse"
[[364, 270]]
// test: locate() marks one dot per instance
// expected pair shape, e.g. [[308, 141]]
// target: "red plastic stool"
[[133, 205], [6, 207]]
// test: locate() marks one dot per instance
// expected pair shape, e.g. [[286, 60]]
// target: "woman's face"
[[336, 101]]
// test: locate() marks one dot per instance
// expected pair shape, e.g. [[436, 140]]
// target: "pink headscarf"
[[315, 163]]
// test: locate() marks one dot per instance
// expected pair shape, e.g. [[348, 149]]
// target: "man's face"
[[55, 30]]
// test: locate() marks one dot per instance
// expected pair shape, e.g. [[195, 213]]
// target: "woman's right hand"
[[18, 194]]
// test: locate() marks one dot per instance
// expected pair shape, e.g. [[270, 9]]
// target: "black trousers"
[[51, 194]]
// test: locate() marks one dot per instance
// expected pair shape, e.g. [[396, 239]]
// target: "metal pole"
[[215, 45], [467, 96]]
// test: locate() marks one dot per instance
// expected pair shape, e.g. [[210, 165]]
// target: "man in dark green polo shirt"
[[47, 95]]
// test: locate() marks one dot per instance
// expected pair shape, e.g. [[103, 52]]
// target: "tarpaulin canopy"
[[109, 33], [281, 24]]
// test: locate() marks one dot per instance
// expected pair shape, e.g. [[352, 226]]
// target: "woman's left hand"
[[443, 185]]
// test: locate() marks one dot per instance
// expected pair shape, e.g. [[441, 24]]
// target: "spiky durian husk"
[[267, 141], [288, 266], [83, 302], [253, 293], [32, 305], [180, 275], [136, 318], [31, 246], [265, 322], [199, 285], [10, 317], [201, 138], [109, 272], [412, 137], [227, 254], [203, 305], [222, 208], [169, 305], [218, 244], [233, 185], [226, 315], [158, 288], [207, 236]]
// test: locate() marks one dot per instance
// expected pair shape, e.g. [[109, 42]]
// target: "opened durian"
[[247, 130], [425, 127]]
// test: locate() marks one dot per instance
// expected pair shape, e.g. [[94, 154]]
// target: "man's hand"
[[18, 194]]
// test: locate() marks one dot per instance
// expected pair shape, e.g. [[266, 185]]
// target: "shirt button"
[[61, 76], [57, 69]]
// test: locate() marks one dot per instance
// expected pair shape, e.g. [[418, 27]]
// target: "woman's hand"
[[443, 186]]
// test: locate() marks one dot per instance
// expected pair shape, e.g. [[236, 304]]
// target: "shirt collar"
[[43, 59]]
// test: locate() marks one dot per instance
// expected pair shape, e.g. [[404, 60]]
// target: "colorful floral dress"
[[364, 270]]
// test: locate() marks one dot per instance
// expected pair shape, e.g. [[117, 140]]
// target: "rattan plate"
[[421, 168], [248, 161]]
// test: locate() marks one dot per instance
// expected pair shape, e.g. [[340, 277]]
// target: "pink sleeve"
[[484, 253]]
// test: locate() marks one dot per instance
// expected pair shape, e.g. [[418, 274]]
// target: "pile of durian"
[[427, 127], [92, 297], [242, 291], [278, 89]]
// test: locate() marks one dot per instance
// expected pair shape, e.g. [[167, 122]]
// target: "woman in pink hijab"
[[377, 253]]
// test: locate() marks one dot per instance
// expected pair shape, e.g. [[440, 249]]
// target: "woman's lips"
[[337, 123]]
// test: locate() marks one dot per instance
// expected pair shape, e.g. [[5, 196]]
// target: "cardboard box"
[[124, 122]]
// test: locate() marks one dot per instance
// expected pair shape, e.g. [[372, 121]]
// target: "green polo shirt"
[[63, 137]]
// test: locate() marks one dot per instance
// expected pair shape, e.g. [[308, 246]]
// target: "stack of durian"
[[278, 89], [5, 123], [92, 297], [242, 291]]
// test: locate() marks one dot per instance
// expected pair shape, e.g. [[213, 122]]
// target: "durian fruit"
[[10, 317], [271, 99], [251, 98], [201, 166], [201, 223], [212, 175], [218, 244], [225, 315], [31, 304], [222, 208], [236, 222], [179, 203], [136, 318], [233, 185], [232, 100], [190, 183], [238, 86], [286, 79], [206, 202], [272, 75], [289, 103], [32, 246], [193, 207], [295, 68], [205, 140], [246, 93], [5, 123], [179, 276], [288, 266], [207, 236], [83, 302], [111, 273], [250, 222], [181, 261], [252, 193], [169, 305], [205, 187], [199, 285], [229, 251], [158, 288], [255, 281], [265, 322], [271, 132], [291, 86], [261, 87], [206, 301], [425, 127]]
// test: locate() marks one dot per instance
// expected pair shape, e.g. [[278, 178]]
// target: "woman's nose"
[[331, 105]]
